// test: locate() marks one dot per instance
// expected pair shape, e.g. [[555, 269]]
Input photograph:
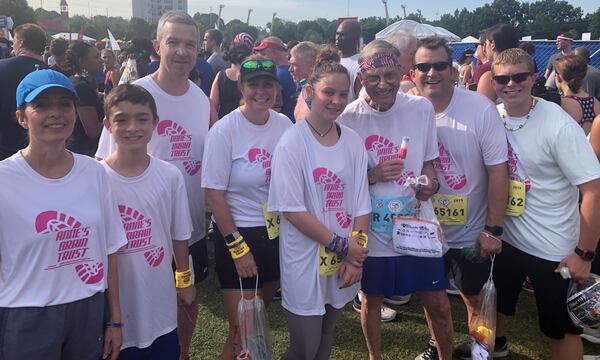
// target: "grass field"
[[404, 338]]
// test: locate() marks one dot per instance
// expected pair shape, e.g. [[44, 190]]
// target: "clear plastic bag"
[[583, 302], [255, 339], [484, 336], [129, 73]]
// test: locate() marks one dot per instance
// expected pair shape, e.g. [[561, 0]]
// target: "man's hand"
[[113, 339], [349, 274], [245, 266], [386, 171], [425, 192], [187, 295], [488, 244], [356, 253], [578, 268]]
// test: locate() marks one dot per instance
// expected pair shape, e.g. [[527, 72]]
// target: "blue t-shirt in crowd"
[[289, 95]]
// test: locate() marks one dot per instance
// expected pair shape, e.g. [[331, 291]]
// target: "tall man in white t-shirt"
[[550, 164], [183, 111], [472, 172], [347, 39]]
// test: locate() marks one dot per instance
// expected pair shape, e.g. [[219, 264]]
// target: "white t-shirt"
[[237, 159], [178, 139], [351, 64], [470, 137], [55, 234], [329, 183], [382, 134], [551, 155], [154, 212]]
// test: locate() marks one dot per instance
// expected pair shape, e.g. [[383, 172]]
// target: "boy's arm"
[[180, 251], [113, 336]]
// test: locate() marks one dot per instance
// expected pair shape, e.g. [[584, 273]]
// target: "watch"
[[587, 255], [231, 237], [494, 230]]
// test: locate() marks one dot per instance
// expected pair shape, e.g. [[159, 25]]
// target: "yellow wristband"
[[239, 250], [183, 279], [235, 242], [363, 239]]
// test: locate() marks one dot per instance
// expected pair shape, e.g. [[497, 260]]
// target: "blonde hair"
[[514, 56]]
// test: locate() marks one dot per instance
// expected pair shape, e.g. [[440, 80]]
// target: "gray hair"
[[401, 40], [176, 17], [307, 50], [377, 47]]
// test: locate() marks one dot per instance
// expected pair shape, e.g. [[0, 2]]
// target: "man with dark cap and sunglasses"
[[472, 161]]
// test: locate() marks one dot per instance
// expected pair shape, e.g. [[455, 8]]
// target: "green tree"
[[138, 28], [313, 36], [595, 24], [236, 26], [20, 12], [371, 26], [42, 14], [284, 29]]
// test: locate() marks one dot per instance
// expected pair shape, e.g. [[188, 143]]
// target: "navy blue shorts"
[[165, 347], [403, 275]]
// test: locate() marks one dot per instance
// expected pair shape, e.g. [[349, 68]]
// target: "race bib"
[[384, 208], [272, 222], [516, 198], [450, 209], [329, 262], [417, 237]]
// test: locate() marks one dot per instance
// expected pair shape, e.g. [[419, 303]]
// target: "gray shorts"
[[72, 331]]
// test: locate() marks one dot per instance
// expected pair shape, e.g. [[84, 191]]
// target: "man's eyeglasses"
[[252, 65], [517, 78], [438, 66]]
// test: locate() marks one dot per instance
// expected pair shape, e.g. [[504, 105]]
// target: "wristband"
[[363, 239], [239, 249], [183, 279], [338, 245], [235, 242], [111, 324], [437, 190], [489, 235], [585, 255], [494, 230]]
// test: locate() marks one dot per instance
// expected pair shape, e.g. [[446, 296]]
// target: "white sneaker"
[[397, 300], [591, 335], [387, 313], [453, 290]]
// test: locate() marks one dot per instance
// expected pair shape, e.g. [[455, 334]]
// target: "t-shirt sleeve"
[[363, 203], [550, 64], [181, 220], [574, 154], [492, 138], [105, 145], [431, 148], [286, 191], [86, 93], [216, 161]]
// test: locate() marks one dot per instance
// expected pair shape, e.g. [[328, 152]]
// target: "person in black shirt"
[[29, 44], [85, 60], [58, 50]]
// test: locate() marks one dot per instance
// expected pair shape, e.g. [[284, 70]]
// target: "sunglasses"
[[517, 78], [252, 65], [438, 66]]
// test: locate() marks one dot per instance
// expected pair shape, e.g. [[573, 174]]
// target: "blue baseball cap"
[[34, 83]]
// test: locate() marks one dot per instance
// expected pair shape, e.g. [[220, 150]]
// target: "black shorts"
[[199, 255], [265, 252], [510, 269], [469, 277]]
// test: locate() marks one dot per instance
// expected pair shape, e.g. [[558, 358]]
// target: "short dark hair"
[[434, 43], [58, 47], [504, 37], [216, 35], [134, 94], [76, 53], [237, 53], [527, 47], [33, 37]]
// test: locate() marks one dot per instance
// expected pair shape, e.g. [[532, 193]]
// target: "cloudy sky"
[[294, 10]]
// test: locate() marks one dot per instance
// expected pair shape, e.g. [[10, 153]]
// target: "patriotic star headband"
[[379, 61]]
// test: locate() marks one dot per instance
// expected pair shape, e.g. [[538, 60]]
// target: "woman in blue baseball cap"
[[58, 226]]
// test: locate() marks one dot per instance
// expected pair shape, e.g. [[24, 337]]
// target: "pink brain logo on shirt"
[[138, 229], [72, 239], [513, 168], [181, 145], [382, 147], [262, 157], [445, 165], [333, 189], [405, 175]]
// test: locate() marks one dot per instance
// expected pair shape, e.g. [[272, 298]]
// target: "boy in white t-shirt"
[[152, 201]]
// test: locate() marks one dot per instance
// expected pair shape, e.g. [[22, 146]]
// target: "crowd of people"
[[309, 158]]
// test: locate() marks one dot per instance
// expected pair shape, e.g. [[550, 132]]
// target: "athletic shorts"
[[265, 252], [165, 347], [469, 277], [72, 331], [510, 269], [403, 275], [199, 255]]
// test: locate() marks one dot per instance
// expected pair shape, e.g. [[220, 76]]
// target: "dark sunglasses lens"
[[520, 77], [440, 66], [502, 79], [423, 67]]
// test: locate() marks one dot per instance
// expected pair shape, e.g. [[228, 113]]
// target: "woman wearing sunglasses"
[[236, 177], [320, 187]]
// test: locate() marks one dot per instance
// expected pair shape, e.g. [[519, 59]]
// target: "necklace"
[[318, 133], [508, 127]]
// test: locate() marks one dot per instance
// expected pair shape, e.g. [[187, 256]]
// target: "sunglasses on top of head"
[[438, 66], [517, 78], [252, 65]]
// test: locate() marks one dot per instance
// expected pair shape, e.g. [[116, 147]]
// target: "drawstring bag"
[[484, 336], [583, 302], [255, 340]]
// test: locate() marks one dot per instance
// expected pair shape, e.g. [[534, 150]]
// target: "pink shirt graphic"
[[334, 191], [262, 157], [385, 150], [138, 229], [445, 164], [72, 239], [513, 168], [181, 145]]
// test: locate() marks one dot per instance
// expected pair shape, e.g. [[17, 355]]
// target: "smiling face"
[[515, 95], [50, 117], [177, 47], [329, 96], [259, 94], [131, 125], [300, 68], [92, 62], [433, 83], [382, 84]]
